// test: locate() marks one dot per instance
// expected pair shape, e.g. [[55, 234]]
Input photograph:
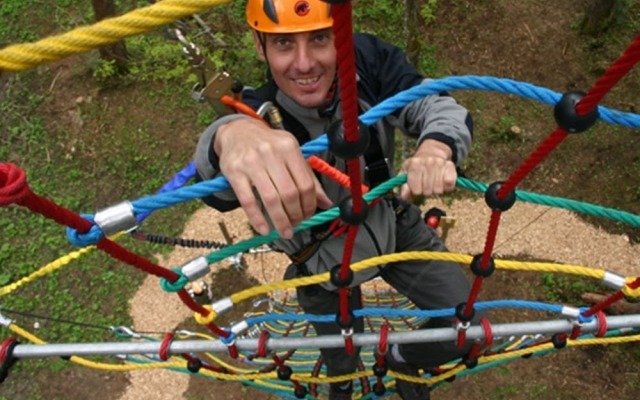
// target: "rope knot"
[[89, 238], [205, 319], [177, 285], [13, 184], [632, 288]]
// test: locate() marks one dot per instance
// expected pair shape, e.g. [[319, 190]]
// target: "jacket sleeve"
[[206, 160], [441, 118], [207, 165], [384, 71]]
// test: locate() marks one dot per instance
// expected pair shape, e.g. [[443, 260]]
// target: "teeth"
[[307, 81]]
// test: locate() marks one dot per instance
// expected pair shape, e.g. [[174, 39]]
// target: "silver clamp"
[[222, 305], [117, 218], [196, 268], [240, 327]]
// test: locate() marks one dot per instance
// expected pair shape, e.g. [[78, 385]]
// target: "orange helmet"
[[288, 16]]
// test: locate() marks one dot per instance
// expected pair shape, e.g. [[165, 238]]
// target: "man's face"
[[303, 65]]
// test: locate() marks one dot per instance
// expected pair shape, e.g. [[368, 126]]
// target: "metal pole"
[[328, 341]]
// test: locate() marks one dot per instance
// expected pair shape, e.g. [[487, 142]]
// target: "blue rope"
[[383, 109], [396, 313], [146, 205]]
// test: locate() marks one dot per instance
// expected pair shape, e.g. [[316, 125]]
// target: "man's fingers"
[[249, 203], [322, 200], [304, 183], [428, 176], [450, 177], [273, 203]]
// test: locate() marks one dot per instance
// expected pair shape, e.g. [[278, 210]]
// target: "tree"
[[412, 47], [600, 15], [116, 52]]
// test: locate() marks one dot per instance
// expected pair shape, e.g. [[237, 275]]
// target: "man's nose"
[[304, 58]]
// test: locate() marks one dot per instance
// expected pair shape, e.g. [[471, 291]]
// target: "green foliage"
[[156, 59], [564, 289], [504, 130], [428, 11], [382, 17], [105, 71], [504, 392]]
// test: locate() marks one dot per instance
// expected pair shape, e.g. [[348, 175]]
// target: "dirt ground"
[[500, 38]]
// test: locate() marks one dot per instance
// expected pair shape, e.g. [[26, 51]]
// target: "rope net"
[[276, 348]]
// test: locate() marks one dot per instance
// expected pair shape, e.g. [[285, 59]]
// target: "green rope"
[[573, 205]]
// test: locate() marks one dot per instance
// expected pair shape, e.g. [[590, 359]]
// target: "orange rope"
[[324, 168], [240, 107]]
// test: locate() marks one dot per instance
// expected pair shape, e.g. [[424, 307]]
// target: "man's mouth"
[[307, 81]]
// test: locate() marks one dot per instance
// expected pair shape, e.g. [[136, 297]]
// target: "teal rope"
[[573, 205], [386, 187], [317, 219]]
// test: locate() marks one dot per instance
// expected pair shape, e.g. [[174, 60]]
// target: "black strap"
[[376, 164]]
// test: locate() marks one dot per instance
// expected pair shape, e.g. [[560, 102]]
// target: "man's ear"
[[258, 43]]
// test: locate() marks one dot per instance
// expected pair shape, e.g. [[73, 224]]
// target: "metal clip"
[[124, 332], [4, 321], [347, 333], [463, 326]]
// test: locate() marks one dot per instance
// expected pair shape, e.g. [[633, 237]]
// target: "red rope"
[[462, 338], [611, 299], [545, 148], [343, 30], [383, 346], [611, 77], [4, 347], [484, 261], [13, 184], [575, 332], [344, 271], [262, 344], [488, 332], [602, 324], [164, 346]]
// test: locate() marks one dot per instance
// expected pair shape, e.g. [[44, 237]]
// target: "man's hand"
[[254, 156], [430, 170]]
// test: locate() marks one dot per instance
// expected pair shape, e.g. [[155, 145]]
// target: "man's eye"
[[321, 38], [282, 42]]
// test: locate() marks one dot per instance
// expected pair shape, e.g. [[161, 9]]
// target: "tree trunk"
[[599, 16], [412, 46], [116, 52]]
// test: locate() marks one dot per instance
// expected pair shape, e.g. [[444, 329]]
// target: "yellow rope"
[[47, 269], [20, 57], [51, 267], [413, 256], [632, 293]]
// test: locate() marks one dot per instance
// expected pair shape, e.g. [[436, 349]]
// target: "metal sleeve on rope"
[[613, 280], [117, 218], [222, 305], [196, 268]]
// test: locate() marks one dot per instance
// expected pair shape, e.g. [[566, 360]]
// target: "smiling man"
[[276, 187]]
